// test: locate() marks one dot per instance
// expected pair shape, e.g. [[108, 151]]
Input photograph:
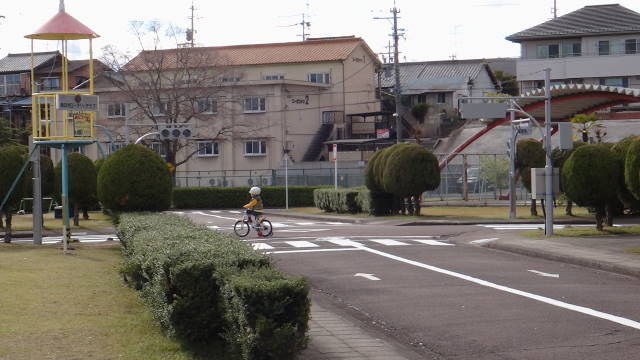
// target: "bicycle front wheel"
[[267, 229], [241, 228]]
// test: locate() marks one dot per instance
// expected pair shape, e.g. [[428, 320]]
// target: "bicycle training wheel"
[[267, 229], [241, 228]]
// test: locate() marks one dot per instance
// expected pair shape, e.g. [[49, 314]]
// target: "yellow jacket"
[[254, 204]]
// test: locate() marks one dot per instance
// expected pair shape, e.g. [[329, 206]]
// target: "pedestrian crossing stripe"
[[343, 243]]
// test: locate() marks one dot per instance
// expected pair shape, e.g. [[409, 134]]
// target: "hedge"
[[208, 287], [235, 197], [343, 200]]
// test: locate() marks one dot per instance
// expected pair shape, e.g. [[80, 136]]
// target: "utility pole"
[[191, 31], [396, 67], [555, 9]]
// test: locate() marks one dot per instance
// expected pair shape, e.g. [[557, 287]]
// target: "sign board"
[[566, 135], [382, 133], [363, 127], [81, 123], [484, 110], [77, 102], [334, 154], [538, 183]]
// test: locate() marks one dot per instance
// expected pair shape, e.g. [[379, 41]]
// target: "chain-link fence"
[[487, 178]]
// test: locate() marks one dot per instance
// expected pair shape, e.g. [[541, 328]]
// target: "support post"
[[548, 221], [286, 179], [465, 178], [512, 168], [36, 211], [66, 229], [396, 68]]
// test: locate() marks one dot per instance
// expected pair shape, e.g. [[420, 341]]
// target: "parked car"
[[472, 179]]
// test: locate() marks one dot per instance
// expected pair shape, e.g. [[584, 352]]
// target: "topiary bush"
[[11, 162], [338, 201], [235, 197], [590, 178], [82, 183], [134, 178], [632, 167]]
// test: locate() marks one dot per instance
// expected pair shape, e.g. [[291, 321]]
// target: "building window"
[[207, 106], [159, 148], [571, 49], [324, 78], [116, 110], [208, 148], [254, 104], [255, 148], [50, 83], [9, 84], [160, 109], [442, 98], [81, 82], [548, 51], [617, 81], [332, 117], [273, 77], [603, 47], [631, 46], [422, 99]]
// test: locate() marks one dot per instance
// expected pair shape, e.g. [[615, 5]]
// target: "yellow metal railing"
[[47, 123]]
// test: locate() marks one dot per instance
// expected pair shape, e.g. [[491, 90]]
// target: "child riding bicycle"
[[254, 204]]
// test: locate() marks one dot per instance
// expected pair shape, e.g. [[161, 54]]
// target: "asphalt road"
[[437, 291]]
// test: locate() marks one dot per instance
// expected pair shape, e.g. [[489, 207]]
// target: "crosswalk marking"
[[433, 242], [302, 244], [389, 242], [261, 246], [343, 242]]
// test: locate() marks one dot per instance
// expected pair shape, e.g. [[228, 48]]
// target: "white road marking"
[[388, 242], [368, 276], [214, 227], [483, 241], [261, 246], [334, 223], [81, 238], [304, 223], [433, 242], [216, 216], [302, 230], [310, 251], [343, 242], [235, 212], [557, 276], [543, 299], [301, 244], [279, 225]]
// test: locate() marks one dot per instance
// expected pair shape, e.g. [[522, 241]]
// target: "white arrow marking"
[[483, 241], [433, 242], [367, 276], [545, 274]]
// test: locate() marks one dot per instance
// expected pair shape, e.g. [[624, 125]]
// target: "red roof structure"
[[63, 27]]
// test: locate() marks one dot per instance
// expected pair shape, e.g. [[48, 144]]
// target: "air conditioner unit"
[[213, 182], [266, 181]]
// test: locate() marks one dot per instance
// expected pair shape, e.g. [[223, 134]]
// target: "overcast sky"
[[434, 30]]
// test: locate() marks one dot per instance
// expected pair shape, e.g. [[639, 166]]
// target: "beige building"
[[261, 101]]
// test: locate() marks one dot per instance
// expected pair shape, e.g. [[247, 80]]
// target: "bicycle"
[[243, 226]]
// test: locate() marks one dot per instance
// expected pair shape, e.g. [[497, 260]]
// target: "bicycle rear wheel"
[[241, 228], [267, 228]]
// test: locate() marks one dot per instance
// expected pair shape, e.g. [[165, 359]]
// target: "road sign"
[[484, 110], [334, 154]]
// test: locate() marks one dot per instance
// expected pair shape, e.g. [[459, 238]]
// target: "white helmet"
[[254, 190]]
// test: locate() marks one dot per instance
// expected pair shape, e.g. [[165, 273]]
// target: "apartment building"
[[263, 100], [597, 45]]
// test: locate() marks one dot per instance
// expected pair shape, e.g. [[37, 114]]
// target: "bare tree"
[[176, 87]]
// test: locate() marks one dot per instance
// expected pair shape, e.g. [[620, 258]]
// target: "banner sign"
[[77, 102]]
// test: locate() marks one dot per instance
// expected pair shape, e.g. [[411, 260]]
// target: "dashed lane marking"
[[302, 244], [389, 242], [433, 242]]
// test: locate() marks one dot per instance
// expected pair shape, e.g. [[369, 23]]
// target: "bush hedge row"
[[207, 287], [235, 197], [343, 200]]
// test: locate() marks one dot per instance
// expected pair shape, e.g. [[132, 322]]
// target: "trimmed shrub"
[[626, 197], [82, 181], [632, 167], [208, 287], [590, 178], [235, 197], [11, 162], [411, 170], [134, 178], [338, 201], [529, 154], [47, 178]]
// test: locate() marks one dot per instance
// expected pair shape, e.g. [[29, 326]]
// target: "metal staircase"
[[315, 147]]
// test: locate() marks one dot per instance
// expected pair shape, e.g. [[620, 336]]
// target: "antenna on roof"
[[191, 31], [305, 24], [555, 9], [61, 8]]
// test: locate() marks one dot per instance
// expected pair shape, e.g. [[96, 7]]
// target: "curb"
[[496, 221], [318, 217], [569, 259]]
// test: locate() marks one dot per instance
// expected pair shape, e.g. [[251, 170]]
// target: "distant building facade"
[[597, 45]]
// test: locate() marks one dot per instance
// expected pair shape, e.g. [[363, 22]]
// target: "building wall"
[[293, 116]]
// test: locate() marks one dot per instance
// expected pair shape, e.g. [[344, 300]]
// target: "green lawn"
[[97, 220], [74, 306], [581, 231]]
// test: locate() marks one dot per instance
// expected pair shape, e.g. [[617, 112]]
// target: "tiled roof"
[[433, 75], [336, 49], [590, 20], [22, 62]]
